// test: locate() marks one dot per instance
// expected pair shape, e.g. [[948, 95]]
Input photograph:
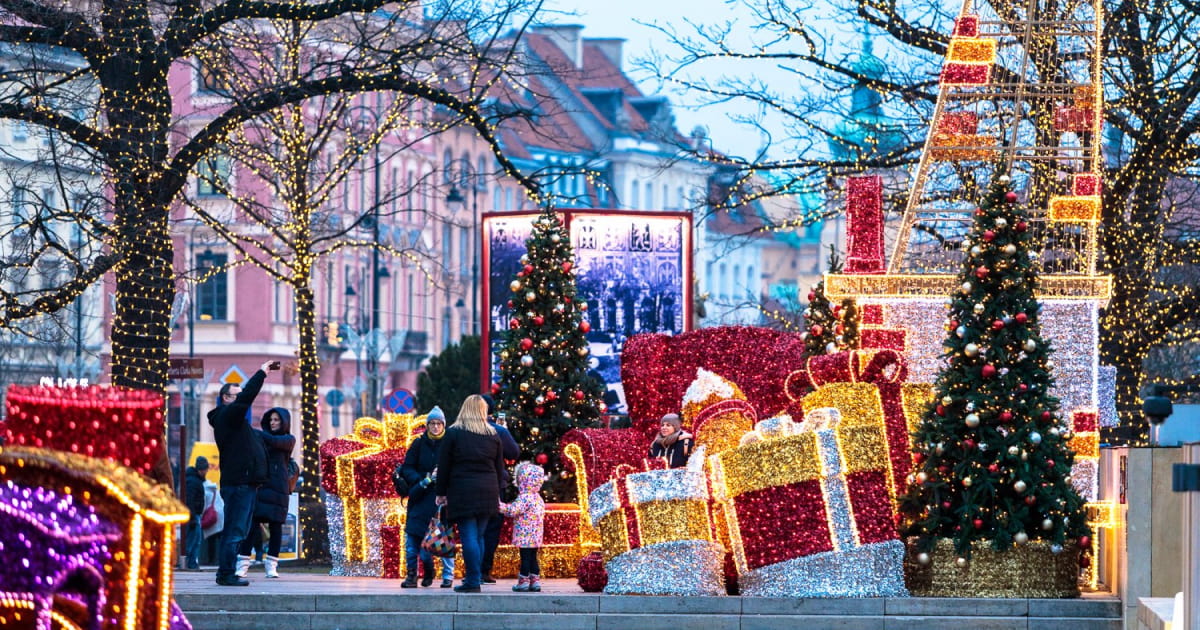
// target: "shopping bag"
[[440, 539]]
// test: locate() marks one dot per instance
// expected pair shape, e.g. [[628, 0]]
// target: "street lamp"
[[455, 200], [364, 122]]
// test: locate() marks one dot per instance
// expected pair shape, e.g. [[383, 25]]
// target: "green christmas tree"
[[822, 325], [991, 451], [544, 386]]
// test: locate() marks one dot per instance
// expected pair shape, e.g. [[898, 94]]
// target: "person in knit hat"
[[420, 471], [673, 445]]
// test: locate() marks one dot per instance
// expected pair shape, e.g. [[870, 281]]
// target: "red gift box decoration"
[[1074, 119], [954, 73], [966, 26], [1086, 185], [959, 123], [864, 225]]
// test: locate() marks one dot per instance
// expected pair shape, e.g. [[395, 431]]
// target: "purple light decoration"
[[52, 549]]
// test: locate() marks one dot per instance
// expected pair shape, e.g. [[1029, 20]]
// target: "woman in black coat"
[[271, 506], [470, 475], [419, 470]]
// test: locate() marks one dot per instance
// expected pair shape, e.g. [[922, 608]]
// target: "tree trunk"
[[312, 509]]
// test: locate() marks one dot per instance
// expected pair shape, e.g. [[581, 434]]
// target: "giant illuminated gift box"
[[808, 509], [115, 423], [655, 534], [356, 475], [868, 384], [86, 543]]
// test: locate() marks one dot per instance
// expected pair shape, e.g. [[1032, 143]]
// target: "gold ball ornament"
[[526, 361], [564, 475], [524, 386], [966, 287], [972, 420], [960, 562], [1010, 249], [534, 431], [1021, 538], [979, 308], [947, 401], [1014, 450], [530, 296], [923, 559], [1030, 345], [971, 350], [554, 238], [515, 285], [1047, 524], [540, 400], [1019, 486], [1001, 222], [966, 482]]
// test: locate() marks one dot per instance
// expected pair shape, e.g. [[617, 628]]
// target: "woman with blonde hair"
[[470, 475]]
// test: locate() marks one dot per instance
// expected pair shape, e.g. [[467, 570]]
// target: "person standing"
[[271, 502], [470, 474], [491, 535], [673, 445], [243, 468], [195, 503], [420, 471], [529, 514]]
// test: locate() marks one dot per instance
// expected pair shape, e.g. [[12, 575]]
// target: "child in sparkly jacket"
[[528, 512]]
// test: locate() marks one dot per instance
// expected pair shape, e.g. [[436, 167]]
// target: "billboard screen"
[[633, 269]]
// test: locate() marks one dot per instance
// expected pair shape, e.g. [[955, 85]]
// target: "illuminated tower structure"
[[1019, 95]]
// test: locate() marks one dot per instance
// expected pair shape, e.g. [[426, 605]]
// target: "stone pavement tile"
[[353, 603], [952, 623], [243, 600], [635, 604], [809, 622], [248, 621], [1083, 607], [1078, 623], [811, 606], [527, 603], [665, 622], [381, 621], [511, 621], [956, 606]]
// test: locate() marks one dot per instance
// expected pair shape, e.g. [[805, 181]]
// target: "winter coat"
[[243, 456], [272, 504], [508, 445], [419, 461], [676, 455], [529, 510], [470, 473], [195, 491]]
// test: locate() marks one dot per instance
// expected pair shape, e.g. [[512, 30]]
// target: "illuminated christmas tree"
[[992, 455], [544, 386]]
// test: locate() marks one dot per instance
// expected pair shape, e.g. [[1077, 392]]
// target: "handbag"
[[209, 517], [441, 539]]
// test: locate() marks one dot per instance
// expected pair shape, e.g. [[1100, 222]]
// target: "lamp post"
[[455, 200], [364, 121]]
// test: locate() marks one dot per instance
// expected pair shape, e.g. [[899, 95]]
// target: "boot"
[[427, 573], [243, 565], [522, 584], [410, 581], [272, 566], [535, 583]]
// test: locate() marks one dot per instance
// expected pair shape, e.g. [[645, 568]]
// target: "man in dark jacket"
[[491, 536], [195, 504], [243, 468]]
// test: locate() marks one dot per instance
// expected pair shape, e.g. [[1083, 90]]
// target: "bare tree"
[[126, 50], [1152, 109]]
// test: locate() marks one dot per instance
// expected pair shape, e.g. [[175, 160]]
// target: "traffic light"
[[331, 334]]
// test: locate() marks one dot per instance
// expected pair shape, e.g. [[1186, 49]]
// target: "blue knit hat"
[[435, 414]]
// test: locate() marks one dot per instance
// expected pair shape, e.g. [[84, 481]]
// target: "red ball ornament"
[[1085, 541], [1047, 416], [1006, 416], [945, 505], [988, 370], [551, 395], [541, 459], [1022, 387], [998, 324], [528, 269], [1049, 463], [993, 468], [1021, 226], [1010, 197], [816, 329], [940, 410], [811, 296], [1021, 318], [978, 523], [978, 212], [539, 410], [510, 304], [584, 327], [495, 389], [514, 323], [919, 458], [526, 343], [988, 235], [538, 320], [1030, 500], [982, 272], [578, 395], [969, 444]]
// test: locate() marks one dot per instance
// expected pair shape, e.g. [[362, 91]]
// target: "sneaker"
[[487, 579], [463, 588], [535, 584], [522, 585], [447, 583], [232, 581]]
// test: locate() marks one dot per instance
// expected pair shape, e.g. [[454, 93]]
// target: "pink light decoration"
[[884, 339], [1074, 119], [864, 225], [871, 314], [1086, 185], [959, 123], [1084, 421], [966, 73], [966, 26]]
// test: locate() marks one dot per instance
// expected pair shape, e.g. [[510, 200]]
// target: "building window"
[[213, 174], [649, 200], [633, 194], [212, 293], [20, 131], [208, 80], [20, 206]]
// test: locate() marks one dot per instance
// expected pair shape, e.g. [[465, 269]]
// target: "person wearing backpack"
[[195, 504], [271, 506], [419, 474]]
